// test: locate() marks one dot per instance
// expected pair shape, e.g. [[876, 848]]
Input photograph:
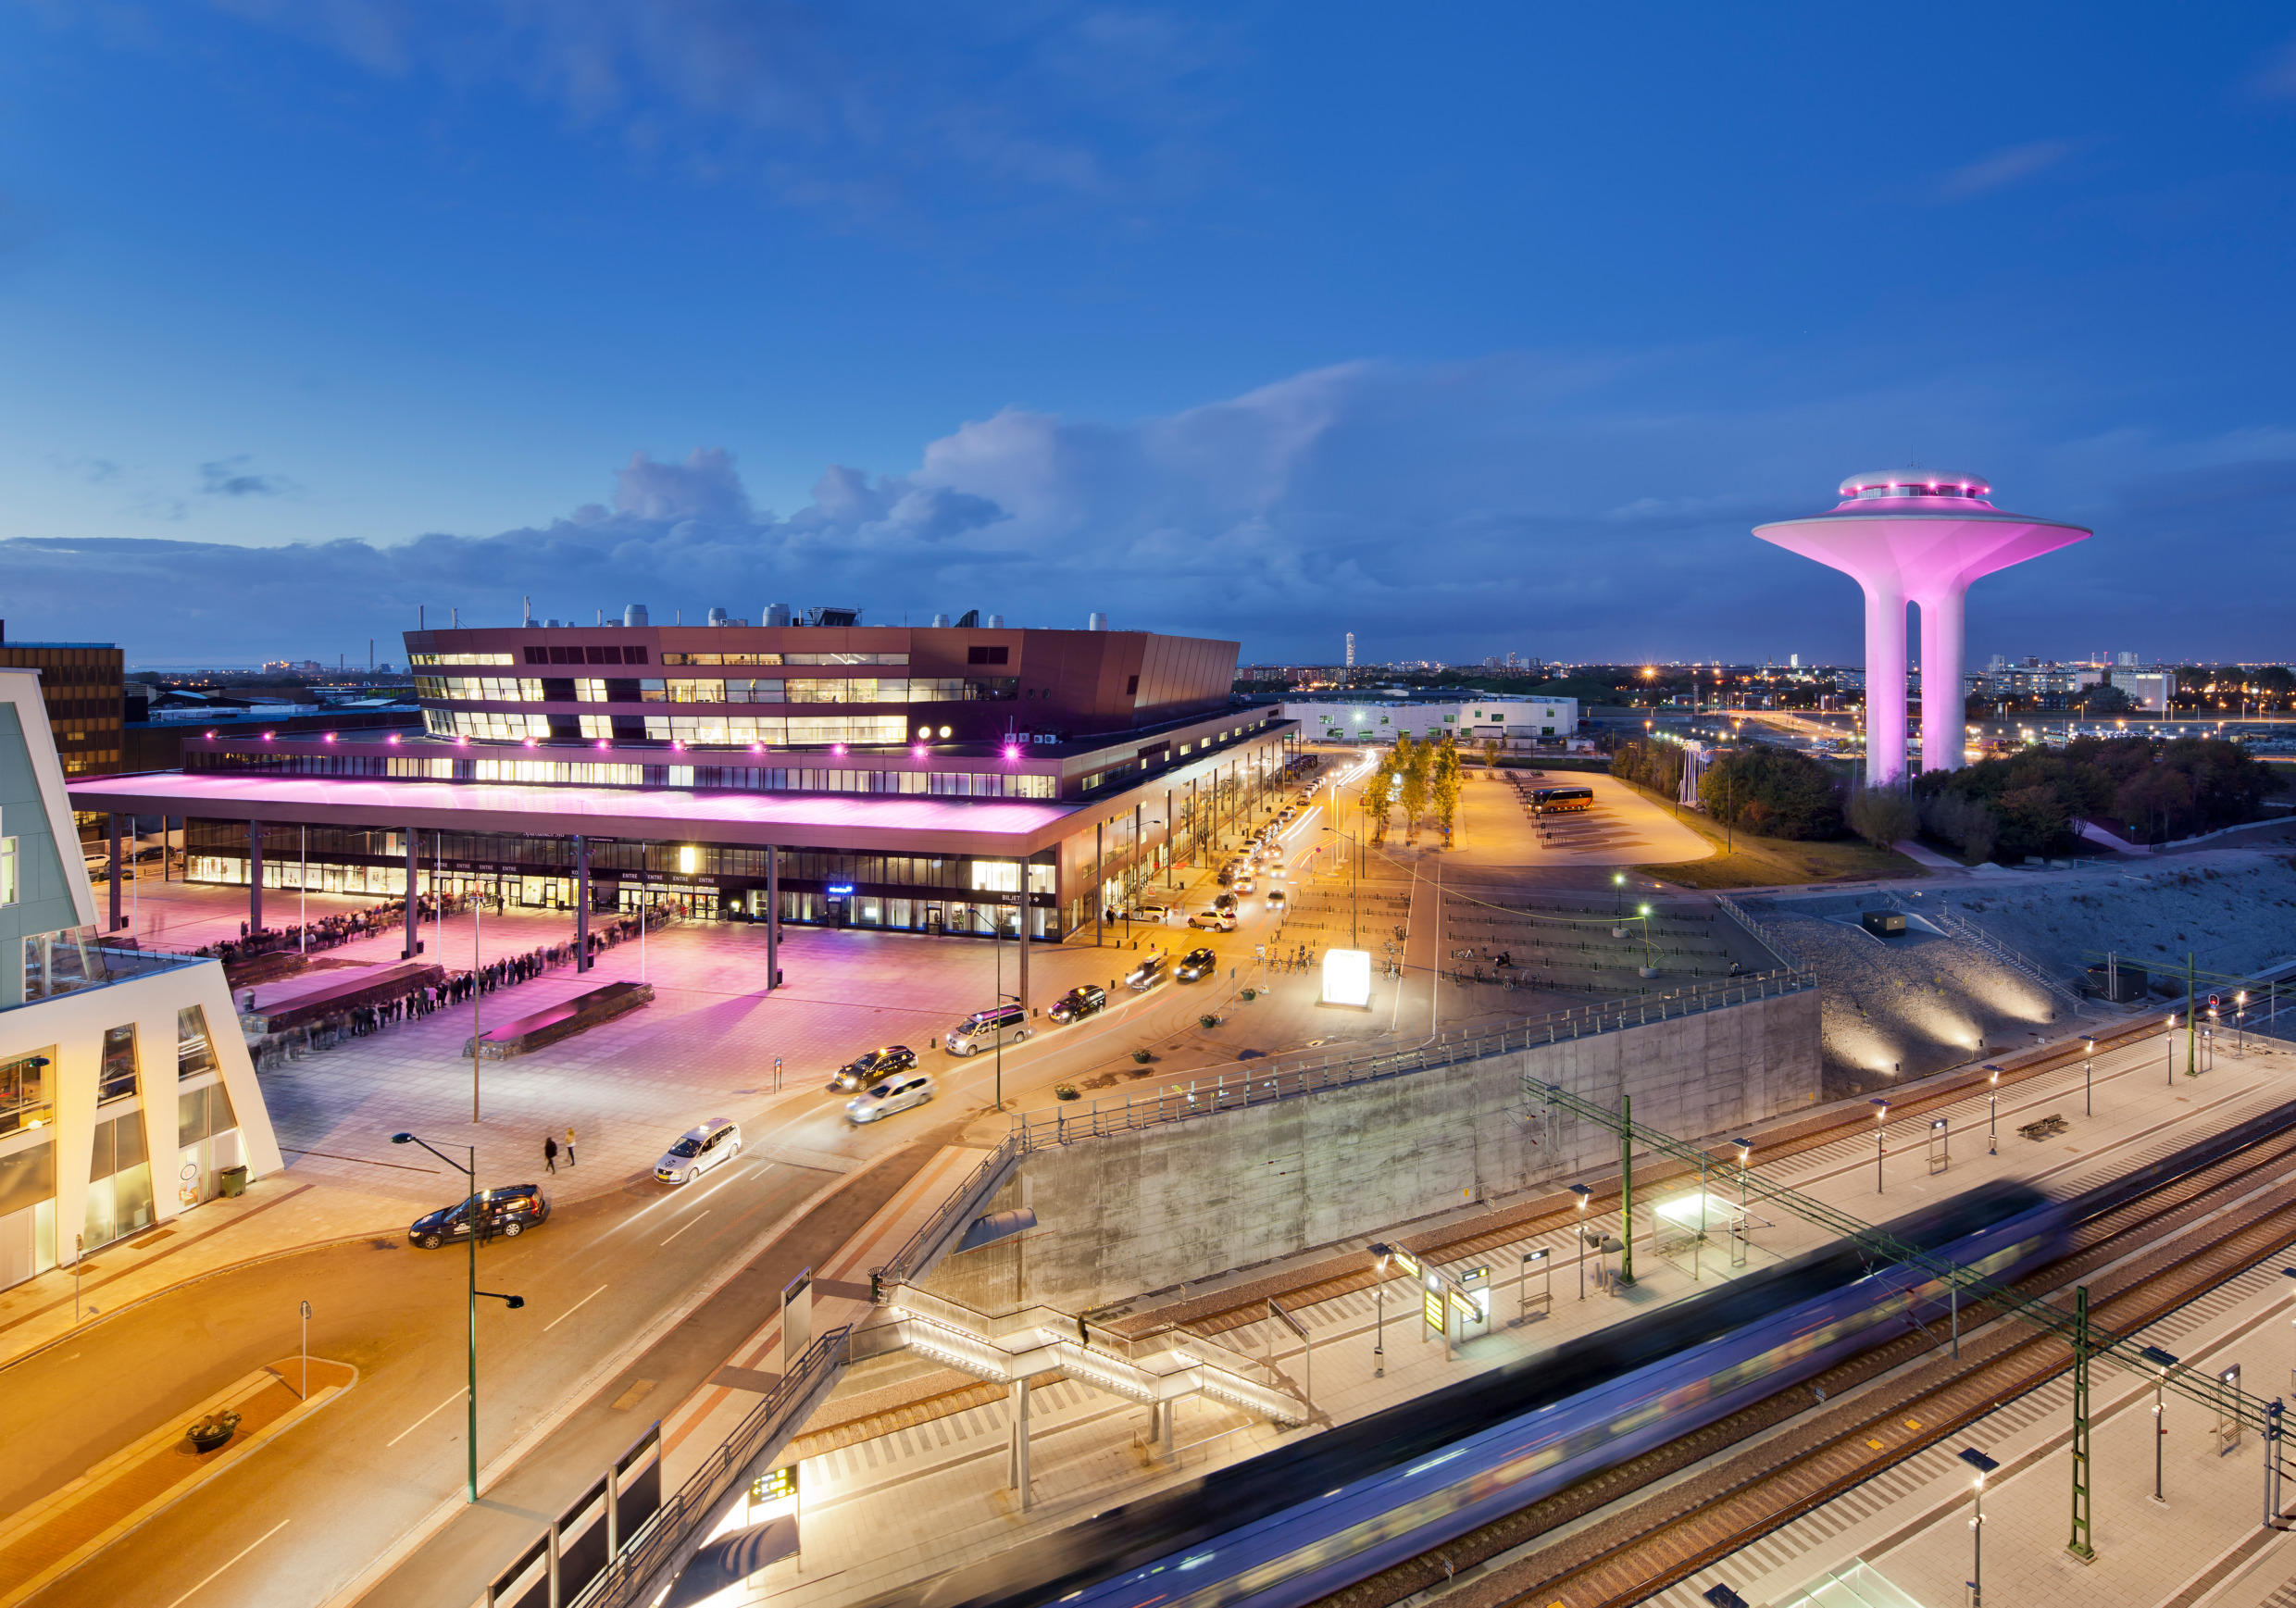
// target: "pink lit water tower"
[[1915, 536]]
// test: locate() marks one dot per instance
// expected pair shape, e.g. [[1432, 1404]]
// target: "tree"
[[1883, 815], [1490, 753], [1774, 792], [1446, 783], [1413, 790], [1376, 794]]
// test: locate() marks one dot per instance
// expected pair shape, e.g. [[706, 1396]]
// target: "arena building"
[[899, 778]]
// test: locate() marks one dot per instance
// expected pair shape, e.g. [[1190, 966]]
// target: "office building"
[[81, 688]]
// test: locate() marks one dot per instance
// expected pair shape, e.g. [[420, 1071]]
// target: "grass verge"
[[1741, 860]]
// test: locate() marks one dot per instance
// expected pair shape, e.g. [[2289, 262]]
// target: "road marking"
[[426, 1418], [250, 1547], [697, 1217], [570, 1311]]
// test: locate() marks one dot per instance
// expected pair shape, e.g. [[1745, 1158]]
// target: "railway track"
[[1559, 1212], [1628, 1555]]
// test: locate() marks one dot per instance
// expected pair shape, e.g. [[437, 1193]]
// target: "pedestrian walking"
[[570, 1147], [550, 1153]]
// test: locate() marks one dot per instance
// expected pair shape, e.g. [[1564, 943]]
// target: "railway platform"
[[888, 1498]]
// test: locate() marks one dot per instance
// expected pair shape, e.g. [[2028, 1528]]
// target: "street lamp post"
[[1984, 1465], [1378, 1345], [2163, 1361], [1992, 1112], [1586, 1198], [1742, 1236], [1881, 1116], [2088, 1080], [470, 1225]]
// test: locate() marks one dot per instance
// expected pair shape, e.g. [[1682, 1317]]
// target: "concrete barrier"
[[1151, 1207]]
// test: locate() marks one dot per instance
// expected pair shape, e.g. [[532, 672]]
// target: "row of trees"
[[2032, 803], [1772, 793], [1415, 775]]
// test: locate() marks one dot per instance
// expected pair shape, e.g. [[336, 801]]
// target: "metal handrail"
[[1737, 912], [967, 1198], [661, 1545], [1249, 1085], [1968, 931]]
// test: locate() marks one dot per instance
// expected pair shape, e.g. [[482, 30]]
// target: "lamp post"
[[1881, 1116], [1586, 1198], [1619, 892], [1984, 1465], [2089, 1081], [2163, 1361], [1353, 940], [1378, 1345], [1992, 1112], [1742, 1236], [470, 1224], [2239, 1024]]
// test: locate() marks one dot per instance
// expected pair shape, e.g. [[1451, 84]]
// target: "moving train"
[[1294, 1525]]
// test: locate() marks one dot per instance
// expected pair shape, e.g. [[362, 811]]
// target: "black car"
[[1078, 1002], [1227, 876], [505, 1213], [1197, 962], [878, 1063], [1224, 901]]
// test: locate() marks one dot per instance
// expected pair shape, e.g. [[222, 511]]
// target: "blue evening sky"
[[1470, 328]]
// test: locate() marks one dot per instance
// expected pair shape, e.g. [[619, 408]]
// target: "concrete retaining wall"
[[1149, 1209]]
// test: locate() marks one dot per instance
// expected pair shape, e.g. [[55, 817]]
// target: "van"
[[986, 1030]]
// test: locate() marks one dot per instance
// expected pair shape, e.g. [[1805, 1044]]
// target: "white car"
[[897, 1094], [699, 1149]]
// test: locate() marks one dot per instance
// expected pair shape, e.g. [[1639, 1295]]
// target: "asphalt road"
[[291, 1524]]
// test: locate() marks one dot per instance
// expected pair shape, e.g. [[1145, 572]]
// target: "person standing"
[[569, 1146], [550, 1153]]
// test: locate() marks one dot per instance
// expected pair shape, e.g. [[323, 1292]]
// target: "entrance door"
[[835, 906], [936, 922]]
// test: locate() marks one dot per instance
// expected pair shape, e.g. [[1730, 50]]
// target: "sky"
[[1471, 329]]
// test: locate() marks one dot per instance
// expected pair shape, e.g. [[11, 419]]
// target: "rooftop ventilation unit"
[[776, 613], [636, 615], [833, 617]]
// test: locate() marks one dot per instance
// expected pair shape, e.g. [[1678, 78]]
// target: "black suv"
[[1078, 1002], [1199, 961], [505, 1213], [867, 1069]]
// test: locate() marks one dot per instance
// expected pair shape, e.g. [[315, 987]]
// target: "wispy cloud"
[[868, 108], [229, 477], [2005, 168]]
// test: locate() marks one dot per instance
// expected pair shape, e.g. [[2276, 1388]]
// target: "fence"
[[665, 1542], [1244, 1087], [1737, 912], [1968, 931]]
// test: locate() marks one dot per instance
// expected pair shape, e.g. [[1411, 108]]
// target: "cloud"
[[2005, 168], [226, 477], [864, 110], [1568, 506]]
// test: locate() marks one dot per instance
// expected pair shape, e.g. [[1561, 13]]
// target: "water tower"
[[1915, 536]]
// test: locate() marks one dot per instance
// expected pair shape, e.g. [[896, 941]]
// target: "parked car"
[[1149, 912], [1199, 961], [893, 1094], [699, 1149], [986, 1030], [506, 1213], [871, 1068], [1078, 1002], [1146, 974]]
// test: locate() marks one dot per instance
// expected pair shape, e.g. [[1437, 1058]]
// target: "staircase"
[[1163, 1365]]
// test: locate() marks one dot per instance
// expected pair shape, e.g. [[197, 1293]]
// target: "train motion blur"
[[1297, 1523]]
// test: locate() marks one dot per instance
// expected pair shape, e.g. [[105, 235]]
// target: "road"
[[291, 1524]]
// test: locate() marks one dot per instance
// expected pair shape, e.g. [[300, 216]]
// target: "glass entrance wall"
[[120, 1182]]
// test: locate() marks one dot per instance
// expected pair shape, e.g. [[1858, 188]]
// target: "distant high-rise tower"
[[1916, 536], [1351, 650]]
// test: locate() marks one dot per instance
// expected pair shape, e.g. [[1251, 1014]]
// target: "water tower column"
[[1944, 715], [1885, 679]]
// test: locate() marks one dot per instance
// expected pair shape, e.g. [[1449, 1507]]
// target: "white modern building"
[[127, 1096], [1517, 722]]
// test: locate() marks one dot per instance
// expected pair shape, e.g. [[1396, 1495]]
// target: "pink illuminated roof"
[[1916, 483], [859, 820]]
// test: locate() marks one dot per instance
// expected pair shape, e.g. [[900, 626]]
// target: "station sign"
[[778, 1485]]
